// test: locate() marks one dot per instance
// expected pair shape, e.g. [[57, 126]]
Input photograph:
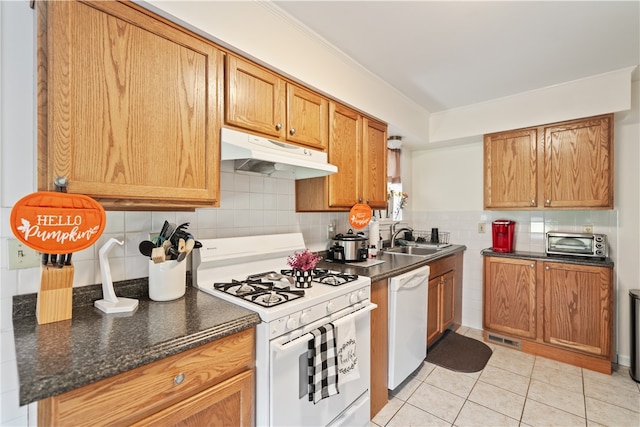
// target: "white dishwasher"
[[407, 323]]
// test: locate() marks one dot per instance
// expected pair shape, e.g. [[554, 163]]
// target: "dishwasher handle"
[[410, 280]]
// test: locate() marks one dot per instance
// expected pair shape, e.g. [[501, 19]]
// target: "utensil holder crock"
[[303, 278], [167, 280]]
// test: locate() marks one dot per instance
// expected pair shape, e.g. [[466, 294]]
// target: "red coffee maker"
[[503, 231]]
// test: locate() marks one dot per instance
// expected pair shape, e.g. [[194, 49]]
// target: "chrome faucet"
[[393, 237]]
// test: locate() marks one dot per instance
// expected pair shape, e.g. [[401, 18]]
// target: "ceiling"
[[447, 54]]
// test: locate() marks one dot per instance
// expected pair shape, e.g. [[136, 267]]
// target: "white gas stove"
[[252, 272]]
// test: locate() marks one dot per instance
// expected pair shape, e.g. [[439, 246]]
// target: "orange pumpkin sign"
[[360, 215], [57, 223]]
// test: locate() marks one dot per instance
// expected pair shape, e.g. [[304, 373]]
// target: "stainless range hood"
[[252, 153]]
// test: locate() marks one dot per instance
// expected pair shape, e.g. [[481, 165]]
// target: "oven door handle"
[[324, 321]]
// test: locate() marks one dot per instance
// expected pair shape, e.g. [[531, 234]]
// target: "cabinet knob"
[[547, 202], [533, 202], [368, 200], [360, 200], [178, 379], [292, 131], [279, 126], [546, 268], [532, 265]]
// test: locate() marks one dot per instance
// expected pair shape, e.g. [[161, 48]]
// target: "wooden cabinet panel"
[[444, 303], [578, 307], [344, 152], [566, 165], [307, 118], [358, 147], [510, 171], [433, 310], [510, 296], [578, 166], [131, 107], [374, 164], [255, 98], [226, 404], [379, 346], [153, 387], [447, 291]]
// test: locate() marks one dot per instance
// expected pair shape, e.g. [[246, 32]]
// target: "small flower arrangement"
[[404, 197], [304, 260]]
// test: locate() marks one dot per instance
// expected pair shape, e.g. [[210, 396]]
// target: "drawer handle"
[[179, 379]]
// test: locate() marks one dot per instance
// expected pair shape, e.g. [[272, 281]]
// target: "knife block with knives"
[[55, 296]]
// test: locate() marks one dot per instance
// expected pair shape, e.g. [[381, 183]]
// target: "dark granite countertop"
[[393, 265], [541, 256], [57, 357]]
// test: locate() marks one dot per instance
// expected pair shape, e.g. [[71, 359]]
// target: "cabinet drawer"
[[441, 266], [130, 396]]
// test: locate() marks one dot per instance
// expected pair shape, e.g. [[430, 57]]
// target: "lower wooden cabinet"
[[444, 303], [578, 308], [562, 311], [510, 296], [379, 346], [208, 385], [226, 404]]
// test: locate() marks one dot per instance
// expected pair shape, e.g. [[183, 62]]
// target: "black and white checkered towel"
[[323, 364]]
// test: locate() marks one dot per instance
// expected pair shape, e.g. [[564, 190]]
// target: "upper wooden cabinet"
[[358, 147], [261, 101], [565, 165], [127, 107]]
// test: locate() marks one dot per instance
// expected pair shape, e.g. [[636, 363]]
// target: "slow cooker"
[[348, 247]]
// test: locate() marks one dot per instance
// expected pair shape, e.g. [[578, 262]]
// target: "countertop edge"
[[50, 386]]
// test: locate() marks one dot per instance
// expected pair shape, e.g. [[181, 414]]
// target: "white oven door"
[[288, 378]]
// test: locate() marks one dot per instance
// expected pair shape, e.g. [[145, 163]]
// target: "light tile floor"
[[514, 389]]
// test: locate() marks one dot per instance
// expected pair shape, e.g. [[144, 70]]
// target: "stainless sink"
[[411, 250]]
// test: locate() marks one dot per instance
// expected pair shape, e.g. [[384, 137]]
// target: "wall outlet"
[[331, 231], [482, 227], [21, 256], [587, 228]]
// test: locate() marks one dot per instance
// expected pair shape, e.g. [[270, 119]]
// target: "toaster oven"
[[577, 244]]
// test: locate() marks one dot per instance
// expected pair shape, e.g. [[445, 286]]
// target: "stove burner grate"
[[328, 277], [258, 292]]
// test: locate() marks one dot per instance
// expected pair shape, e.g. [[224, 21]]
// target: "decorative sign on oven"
[[55, 222]]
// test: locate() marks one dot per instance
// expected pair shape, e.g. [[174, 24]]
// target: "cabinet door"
[[510, 296], [374, 164], [345, 127], [447, 300], [229, 403], [307, 118], [578, 307], [255, 98], [130, 107], [578, 164], [379, 345], [433, 314], [510, 169]]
